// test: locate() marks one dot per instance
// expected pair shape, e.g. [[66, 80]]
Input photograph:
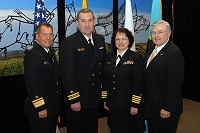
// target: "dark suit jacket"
[[81, 66], [42, 82], [163, 81], [123, 84]]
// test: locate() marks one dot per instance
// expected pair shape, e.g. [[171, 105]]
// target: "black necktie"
[[90, 42], [49, 54], [118, 59], [51, 58], [119, 56]]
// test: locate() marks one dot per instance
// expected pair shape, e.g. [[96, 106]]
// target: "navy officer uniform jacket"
[[81, 69], [42, 82], [123, 84]]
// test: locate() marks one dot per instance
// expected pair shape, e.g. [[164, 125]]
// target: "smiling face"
[[121, 41], [159, 34], [45, 36], [85, 23]]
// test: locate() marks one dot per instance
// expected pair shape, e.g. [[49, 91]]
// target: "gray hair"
[[43, 24], [165, 23]]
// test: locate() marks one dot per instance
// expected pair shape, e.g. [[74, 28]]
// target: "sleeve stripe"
[[136, 99], [73, 96], [104, 94], [38, 102]]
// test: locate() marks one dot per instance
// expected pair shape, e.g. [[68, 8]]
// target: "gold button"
[[100, 72], [114, 82], [100, 63], [92, 83], [57, 83], [113, 75], [57, 92], [114, 88], [71, 91], [93, 74]]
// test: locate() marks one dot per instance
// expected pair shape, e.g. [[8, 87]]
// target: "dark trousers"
[[167, 125], [121, 121], [83, 121], [42, 125]]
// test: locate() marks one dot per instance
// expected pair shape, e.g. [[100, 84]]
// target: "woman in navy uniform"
[[123, 85]]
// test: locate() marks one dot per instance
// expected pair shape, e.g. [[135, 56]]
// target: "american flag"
[[39, 16]]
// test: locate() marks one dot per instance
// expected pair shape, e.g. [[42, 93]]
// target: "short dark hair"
[[125, 31], [43, 24], [85, 10]]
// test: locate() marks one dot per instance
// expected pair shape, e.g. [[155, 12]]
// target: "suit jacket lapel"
[[81, 39], [151, 48], [43, 54], [96, 47], [159, 55], [113, 59]]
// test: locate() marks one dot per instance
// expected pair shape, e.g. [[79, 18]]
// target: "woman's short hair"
[[125, 31]]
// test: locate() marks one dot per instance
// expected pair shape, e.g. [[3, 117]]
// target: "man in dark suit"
[[164, 77], [42, 82], [81, 61]]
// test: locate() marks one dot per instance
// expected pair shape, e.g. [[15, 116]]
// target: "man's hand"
[[164, 114], [105, 107], [42, 114], [76, 106], [133, 110]]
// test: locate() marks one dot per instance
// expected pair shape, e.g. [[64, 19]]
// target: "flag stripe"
[[39, 16], [84, 4], [156, 13], [129, 20]]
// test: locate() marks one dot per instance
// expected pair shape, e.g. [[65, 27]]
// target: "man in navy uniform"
[[42, 82], [81, 61]]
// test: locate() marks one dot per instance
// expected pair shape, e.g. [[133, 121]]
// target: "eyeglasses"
[[47, 35], [122, 39], [159, 33]]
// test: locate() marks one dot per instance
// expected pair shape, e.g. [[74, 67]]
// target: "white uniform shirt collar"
[[158, 50], [47, 50], [88, 38], [122, 53], [160, 47]]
